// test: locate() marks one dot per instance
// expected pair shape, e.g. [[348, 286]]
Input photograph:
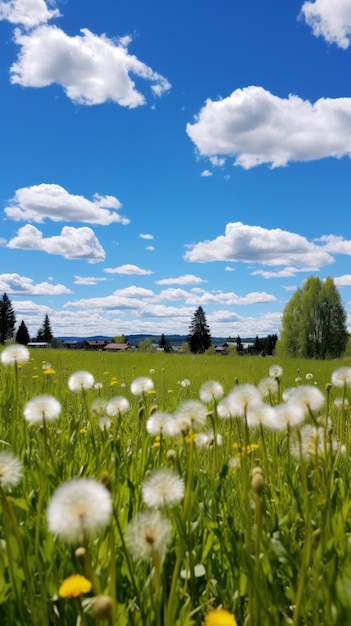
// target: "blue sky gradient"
[[157, 156]]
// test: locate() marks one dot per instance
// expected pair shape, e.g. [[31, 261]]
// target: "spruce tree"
[[22, 335], [7, 319], [45, 332], [199, 338]]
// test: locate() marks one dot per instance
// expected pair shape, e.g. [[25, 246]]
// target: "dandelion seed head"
[[81, 380], [117, 406], [242, 398], [341, 377], [287, 415], [104, 423], [211, 390], [268, 387], [207, 439], [16, 353], [163, 488], [190, 415], [162, 423], [42, 407], [185, 382], [149, 531], [275, 371], [307, 397], [141, 385], [11, 470], [79, 507]]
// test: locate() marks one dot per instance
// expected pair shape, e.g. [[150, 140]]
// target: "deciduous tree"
[[314, 321]]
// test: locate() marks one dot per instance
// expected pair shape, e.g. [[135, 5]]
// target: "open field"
[[176, 490]]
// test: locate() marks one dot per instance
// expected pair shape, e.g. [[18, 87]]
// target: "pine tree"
[[7, 319], [199, 338], [22, 335], [45, 332]]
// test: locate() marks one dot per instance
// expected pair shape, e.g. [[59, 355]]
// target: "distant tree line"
[[8, 325]]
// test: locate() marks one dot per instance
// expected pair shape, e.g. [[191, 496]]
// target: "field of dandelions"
[[173, 490]]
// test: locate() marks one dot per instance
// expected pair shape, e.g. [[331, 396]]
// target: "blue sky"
[[158, 156]]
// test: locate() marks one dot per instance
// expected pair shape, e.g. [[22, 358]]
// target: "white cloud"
[[91, 69], [287, 272], [72, 243], [187, 279], [22, 285], [127, 270], [250, 244], [48, 201], [329, 19], [343, 281], [27, 13], [146, 236], [151, 248], [88, 280], [206, 173], [254, 126], [336, 244]]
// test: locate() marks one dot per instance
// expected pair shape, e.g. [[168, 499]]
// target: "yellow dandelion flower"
[[151, 392], [220, 617], [190, 437], [49, 371], [74, 586], [35, 376], [170, 390], [156, 443], [83, 431]]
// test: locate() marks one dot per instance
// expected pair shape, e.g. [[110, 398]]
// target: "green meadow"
[[153, 489]]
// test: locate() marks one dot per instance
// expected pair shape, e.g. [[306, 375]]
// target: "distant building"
[[116, 347], [39, 344], [94, 344]]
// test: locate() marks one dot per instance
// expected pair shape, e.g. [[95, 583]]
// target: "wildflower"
[[309, 376], [98, 385], [275, 371], [211, 390], [102, 607], [199, 571], [309, 398], [268, 386], [104, 423], [78, 508], [80, 381], [141, 385], [10, 470], [152, 371], [49, 371], [16, 353], [220, 617], [163, 488], [190, 415], [260, 414], [43, 407], [185, 382], [46, 365], [206, 440], [242, 398], [98, 407], [117, 406], [312, 444], [147, 533], [287, 415], [341, 377], [341, 402], [74, 586], [162, 423]]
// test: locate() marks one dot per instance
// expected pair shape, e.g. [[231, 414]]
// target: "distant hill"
[[174, 340]]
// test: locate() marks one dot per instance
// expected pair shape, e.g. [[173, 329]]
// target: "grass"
[[262, 528]]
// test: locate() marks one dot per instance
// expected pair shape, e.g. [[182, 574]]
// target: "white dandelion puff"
[[11, 470], [241, 399], [147, 533], [98, 407], [117, 406], [81, 381], [163, 488], [78, 508], [211, 390], [40, 408], [190, 415], [287, 415], [141, 385], [341, 377], [15, 354], [268, 387], [162, 423], [309, 398], [207, 439], [275, 371]]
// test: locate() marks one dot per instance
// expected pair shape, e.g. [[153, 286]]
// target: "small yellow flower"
[[157, 441], [151, 392], [74, 586], [49, 371], [35, 376], [83, 431], [190, 437], [220, 617], [170, 390]]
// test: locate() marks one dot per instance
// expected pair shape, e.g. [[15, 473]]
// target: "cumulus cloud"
[[336, 244], [22, 285], [331, 20], [88, 280], [254, 244], [343, 281], [127, 270], [287, 272], [91, 69], [27, 13], [49, 201], [254, 126], [72, 243], [187, 279], [146, 236]]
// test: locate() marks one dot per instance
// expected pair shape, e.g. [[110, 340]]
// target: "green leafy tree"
[[120, 339], [314, 321], [199, 338], [45, 332], [7, 319], [22, 335]]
